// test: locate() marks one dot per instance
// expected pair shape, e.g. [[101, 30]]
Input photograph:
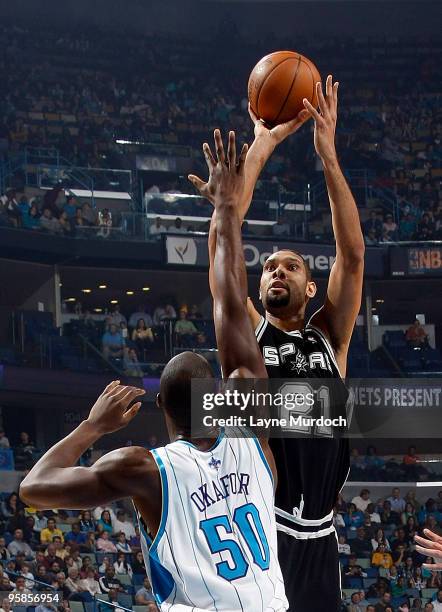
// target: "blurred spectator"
[[89, 583], [116, 317], [343, 547], [108, 581], [76, 535], [105, 522], [18, 545], [362, 500], [20, 586], [86, 521], [122, 544], [88, 215], [397, 503], [41, 522], [113, 343], [389, 228], [416, 335], [79, 592], [381, 558], [98, 511], [104, 224], [185, 329], [360, 545], [138, 566], [121, 524], [144, 596], [49, 223], [354, 606], [142, 336], [131, 364], [71, 206], [373, 225], [164, 312], [47, 534], [177, 227], [4, 442], [4, 552], [157, 228], [10, 506], [354, 517], [105, 544], [112, 605], [141, 313], [194, 313], [121, 566]]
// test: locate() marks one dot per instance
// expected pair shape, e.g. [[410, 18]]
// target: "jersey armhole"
[[164, 503], [259, 329]]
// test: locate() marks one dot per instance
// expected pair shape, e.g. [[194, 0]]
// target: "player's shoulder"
[[131, 461]]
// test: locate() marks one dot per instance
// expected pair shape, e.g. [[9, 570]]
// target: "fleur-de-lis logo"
[[182, 250], [215, 463]]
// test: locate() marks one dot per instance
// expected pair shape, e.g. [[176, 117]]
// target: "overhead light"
[[129, 292], [146, 288], [60, 284], [114, 302], [70, 299], [102, 286], [379, 301], [98, 310], [373, 309], [86, 290]]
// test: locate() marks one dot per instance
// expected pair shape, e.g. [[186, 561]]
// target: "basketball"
[[278, 84]]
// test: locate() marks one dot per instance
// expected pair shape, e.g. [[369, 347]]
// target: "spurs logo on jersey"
[[311, 470]]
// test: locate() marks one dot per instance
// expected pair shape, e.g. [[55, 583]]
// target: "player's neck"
[[286, 322]]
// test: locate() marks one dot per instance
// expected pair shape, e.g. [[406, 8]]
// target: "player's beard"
[[280, 300]]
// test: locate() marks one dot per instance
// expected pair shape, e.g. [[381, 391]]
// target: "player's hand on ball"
[[431, 546], [325, 119], [226, 173], [274, 136], [111, 410]]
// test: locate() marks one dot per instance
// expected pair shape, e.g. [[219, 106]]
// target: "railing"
[[426, 469]]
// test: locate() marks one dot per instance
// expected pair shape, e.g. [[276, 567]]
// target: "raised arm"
[[343, 300], [265, 142], [237, 346], [56, 481]]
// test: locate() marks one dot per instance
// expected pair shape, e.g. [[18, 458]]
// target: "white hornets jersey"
[[216, 546]]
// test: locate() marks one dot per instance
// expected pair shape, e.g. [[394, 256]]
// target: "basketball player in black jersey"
[[312, 470]]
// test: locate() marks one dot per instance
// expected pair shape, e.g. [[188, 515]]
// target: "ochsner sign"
[[256, 253]]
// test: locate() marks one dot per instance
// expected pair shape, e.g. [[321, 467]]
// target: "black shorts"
[[311, 573]]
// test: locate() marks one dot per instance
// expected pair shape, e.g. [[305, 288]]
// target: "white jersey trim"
[[306, 535], [302, 521]]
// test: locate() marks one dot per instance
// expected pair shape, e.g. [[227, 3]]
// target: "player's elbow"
[[353, 258], [28, 493]]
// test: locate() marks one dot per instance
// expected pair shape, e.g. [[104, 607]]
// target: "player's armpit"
[[126, 472]]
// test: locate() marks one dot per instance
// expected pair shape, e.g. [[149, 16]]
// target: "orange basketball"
[[278, 84]]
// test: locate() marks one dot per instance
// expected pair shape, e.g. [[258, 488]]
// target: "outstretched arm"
[[338, 314], [237, 346], [265, 142], [56, 482]]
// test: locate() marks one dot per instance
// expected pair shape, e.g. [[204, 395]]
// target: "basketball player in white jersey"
[[205, 506], [312, 470]]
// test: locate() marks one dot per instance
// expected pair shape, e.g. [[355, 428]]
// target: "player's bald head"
[[176, 382]]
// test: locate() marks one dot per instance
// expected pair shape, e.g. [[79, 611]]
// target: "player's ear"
[[158, 400], [310, 290]]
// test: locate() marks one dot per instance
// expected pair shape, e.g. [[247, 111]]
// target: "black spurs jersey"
[[311, 470]]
